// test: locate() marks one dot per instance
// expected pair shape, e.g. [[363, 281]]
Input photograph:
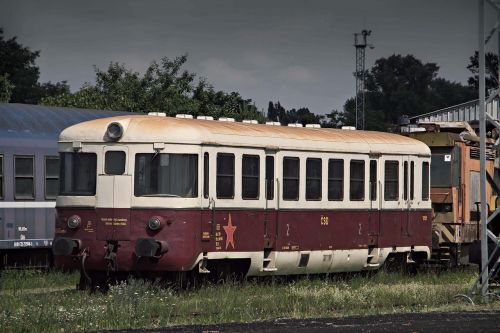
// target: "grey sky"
[[298, 52]]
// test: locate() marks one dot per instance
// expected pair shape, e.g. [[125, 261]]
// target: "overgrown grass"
[[141, 304], [22, 279]]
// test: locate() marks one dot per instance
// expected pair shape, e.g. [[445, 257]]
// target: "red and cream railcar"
[[158, 194]]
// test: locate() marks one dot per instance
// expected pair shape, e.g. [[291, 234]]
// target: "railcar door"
[[408, 195], [271, 209], [114, 190], [375, 203], [208, 204]]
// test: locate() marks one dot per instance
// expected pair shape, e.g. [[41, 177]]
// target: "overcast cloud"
[[298, 52]]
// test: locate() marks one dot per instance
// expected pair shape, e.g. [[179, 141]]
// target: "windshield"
[[77, 174], [166, 175]]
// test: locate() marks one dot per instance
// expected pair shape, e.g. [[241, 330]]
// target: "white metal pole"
[[482, 138]]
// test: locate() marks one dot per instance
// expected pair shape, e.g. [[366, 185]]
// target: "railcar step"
[[269, 269]]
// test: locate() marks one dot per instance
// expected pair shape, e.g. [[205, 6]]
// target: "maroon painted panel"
[[244, 231]]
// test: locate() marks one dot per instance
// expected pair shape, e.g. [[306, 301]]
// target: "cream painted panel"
[[105, 192], [122, 191]]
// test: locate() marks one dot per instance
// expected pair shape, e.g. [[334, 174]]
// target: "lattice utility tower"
[[360, 45]]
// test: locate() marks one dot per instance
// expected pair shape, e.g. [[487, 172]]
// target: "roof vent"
[[313, 125], [159, 114], [205, 117], [185, 116], [246, 121], [348, 128], [230, 120], [273, 123], [294, 125]]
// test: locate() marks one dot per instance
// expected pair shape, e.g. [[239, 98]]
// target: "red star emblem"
[[229, 229]]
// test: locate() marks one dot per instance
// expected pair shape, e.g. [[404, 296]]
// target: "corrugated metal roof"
[[192, 131], [44, 121]]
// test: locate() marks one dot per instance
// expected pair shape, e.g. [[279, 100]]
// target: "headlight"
[[154, 223], [114, 131], [74, 221]]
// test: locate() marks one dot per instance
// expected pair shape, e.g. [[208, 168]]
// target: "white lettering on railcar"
[[23, 244]]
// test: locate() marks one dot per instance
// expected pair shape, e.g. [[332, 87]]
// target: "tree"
[[5, 88], [403, 85], [491, 69], [164, 87], [17, 66], [276, 112]]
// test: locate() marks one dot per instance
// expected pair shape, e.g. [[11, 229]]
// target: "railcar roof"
[[142, 128], [43, 121]]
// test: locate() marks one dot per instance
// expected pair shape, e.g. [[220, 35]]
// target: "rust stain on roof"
[[143, 128]]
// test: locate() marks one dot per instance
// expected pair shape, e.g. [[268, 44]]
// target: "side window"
[[114, 162], [24, 177], [313, 179], [225, 176], [373, 180], [250, 177], [269, 177], [51, 177], [425, 181], [291, 172], [412, 180], [357, 180], [391, 181], [405, 180], [206, 174], [335, 179], [1, 177]]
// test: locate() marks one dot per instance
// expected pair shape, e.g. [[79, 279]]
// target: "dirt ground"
[[412, 322]]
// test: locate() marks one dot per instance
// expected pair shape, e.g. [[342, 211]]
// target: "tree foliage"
[[403, 85], [491, 69], [276, 112], [20, 74], [164, 87]]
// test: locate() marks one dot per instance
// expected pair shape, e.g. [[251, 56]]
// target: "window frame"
[[233, 176], [362, 181], [106, 162], [426, 175], [243, 176], [295, 179], [405, 180], [95, 164], [1, 177], [393, 180], [412, 180], [373, 180], [206, 175], [269, 180], [32, 177], [331, 161], [46, 177], [314, 179]]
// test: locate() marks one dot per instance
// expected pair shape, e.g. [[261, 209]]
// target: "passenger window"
[[335, 179], [412, 180], [357, 180], [313, 179], [373, 180], [166, 175], [1, 176], [391, 181], [225, 176], [77, 174], [291, 172], [114, 163], [250, 177], [405, 180], [51, 177], [24, 174], [206, 174], [269, 177], [425, 181]]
